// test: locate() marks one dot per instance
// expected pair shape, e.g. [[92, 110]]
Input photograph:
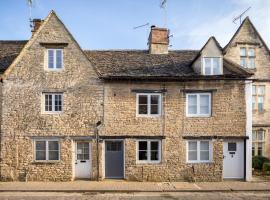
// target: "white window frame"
[[212, 68], [54, 60], [47, 149], [148, 105], [198, 105], [198, 151], [53, 102], [247, 57], [148, 152]]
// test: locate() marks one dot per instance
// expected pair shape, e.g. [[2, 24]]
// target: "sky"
[[109, 24]]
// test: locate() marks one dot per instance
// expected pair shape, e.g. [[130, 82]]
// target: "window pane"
[[192, 146], [253, 102], [216, 66], [142, 145], [243, 52], [207, 66], [48, 102], [260, 149], [40, 155], [260, 135], [59, 58], [154, 145], [254, 136], [243, 62], [154, 110], [143, 99], [142, 109], [251, 63], [41, 145], [192, 155], [155, 99], [142, 155], [204, 145], [204, 155], [254, 89], [154, 155], [251, 52], [58, 102], [53, 145], [261, 90], [260, 104], [204, 104], [192, 104], [50, 59], [53, 155]]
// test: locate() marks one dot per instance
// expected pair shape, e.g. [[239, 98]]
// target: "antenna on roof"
[[30, 4], [163, 5], [239, 17], [136, 27]]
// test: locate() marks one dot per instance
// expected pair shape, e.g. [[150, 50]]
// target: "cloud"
[[222, 27]]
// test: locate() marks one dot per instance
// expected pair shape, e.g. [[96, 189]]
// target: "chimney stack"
[[36, 24], [158, 40]]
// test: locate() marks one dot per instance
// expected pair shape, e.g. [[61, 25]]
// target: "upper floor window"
[[199, 151], [258, 93], [55, 59], [247, 57], [198, 104], [148, 151], [212, 66], [148, 104], [53, 102], [258, 141], [46, 150]]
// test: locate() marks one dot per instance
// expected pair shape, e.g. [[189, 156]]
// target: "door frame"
[[104, 157], [244, 158], [75, 157]]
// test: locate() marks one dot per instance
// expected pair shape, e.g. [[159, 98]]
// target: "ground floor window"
[[148, 151], [199, 151], [46, 150], [258, 141]]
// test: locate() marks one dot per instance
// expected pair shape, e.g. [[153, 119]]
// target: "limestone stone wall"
[[23, 119], [228, 119], [247, 37]]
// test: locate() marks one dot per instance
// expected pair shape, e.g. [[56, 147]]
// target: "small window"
[[198, 104], [148, 104], [149, 151], [247, 57], [253, 89], [53, 102], [199, 151], [55, 59], [114, 146], [82, 151], [258, 142], [260, 103], [212, 66], [46, 150]]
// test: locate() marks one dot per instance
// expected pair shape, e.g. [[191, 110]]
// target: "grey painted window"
[[46, 150]]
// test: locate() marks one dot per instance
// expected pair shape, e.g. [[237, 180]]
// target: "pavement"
[[114, 186]]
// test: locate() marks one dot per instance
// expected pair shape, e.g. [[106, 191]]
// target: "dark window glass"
[[40, 155], [51, 59], [142, 155], [58, 59], [114, 146], [154, 155], [143, 145], [142, 109], [231, 146], [154, 145]]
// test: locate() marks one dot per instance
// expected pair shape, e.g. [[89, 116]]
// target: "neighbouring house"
[[141, 115], [248, 49]]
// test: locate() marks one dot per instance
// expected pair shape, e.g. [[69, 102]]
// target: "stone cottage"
[[141, 115]]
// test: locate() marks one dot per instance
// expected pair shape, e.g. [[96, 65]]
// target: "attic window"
[[211, 65], [247, 57]]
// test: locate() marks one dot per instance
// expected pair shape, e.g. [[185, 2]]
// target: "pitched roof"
[[248, 22], [9, 50], [139, 64]]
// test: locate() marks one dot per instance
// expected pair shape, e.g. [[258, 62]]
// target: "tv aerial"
[[163, 5], [239, 17]]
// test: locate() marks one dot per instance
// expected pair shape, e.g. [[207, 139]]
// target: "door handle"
[[224, 156]]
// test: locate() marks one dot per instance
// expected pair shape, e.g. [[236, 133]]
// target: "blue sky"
[[108, 24]]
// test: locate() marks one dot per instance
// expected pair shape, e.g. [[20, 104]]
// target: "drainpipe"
[[97, 146]]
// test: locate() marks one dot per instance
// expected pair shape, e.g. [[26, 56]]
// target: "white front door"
[[233, 159], [82, 160]]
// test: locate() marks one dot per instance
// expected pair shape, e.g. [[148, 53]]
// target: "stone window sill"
[[45, 162], [199, 163]]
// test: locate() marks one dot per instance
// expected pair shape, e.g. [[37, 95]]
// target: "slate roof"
[[139, 64], [9, 50]]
